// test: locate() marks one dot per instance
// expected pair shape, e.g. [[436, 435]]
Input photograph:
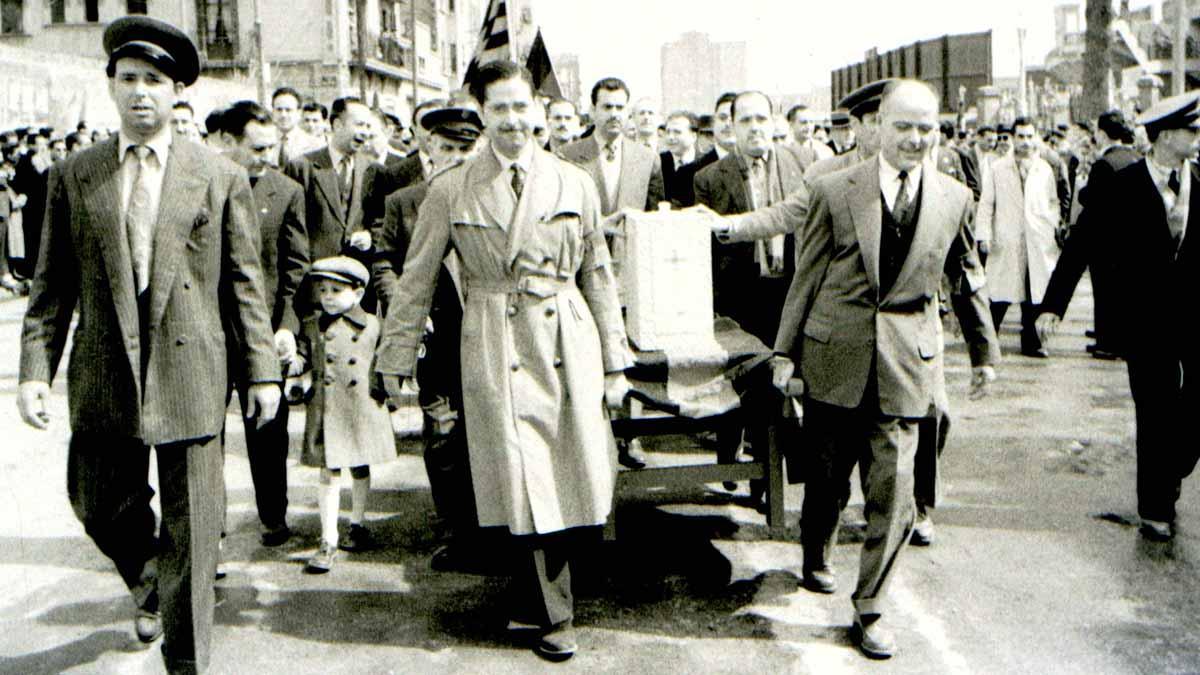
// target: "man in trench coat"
[[543, 342]]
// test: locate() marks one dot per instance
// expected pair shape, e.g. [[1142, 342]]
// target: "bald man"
[[861, 325]]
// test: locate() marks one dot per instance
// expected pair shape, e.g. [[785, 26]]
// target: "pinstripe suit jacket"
[[205, 265]]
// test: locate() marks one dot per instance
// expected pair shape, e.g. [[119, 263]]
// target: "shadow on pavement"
[[73, 654]]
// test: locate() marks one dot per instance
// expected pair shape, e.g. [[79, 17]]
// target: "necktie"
[[758, 182], [1173, 182], [902, 203], [610, 152], [139, 221], [518, 179], [345, 182], [283, 158]]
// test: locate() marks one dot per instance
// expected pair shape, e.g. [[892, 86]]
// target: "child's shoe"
[[322, 561], [358, 539]]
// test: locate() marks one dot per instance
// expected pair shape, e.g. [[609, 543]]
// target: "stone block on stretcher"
[[667, 282]]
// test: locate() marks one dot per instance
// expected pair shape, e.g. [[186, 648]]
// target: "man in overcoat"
[[153, 240], [543, 343]]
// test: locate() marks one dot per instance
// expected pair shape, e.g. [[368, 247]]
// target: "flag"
[[494, 43], [538, 63]]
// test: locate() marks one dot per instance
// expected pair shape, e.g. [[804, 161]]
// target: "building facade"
[[696, 70]]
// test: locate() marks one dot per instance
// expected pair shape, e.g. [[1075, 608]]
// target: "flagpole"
[[514, 50], [412, 6]]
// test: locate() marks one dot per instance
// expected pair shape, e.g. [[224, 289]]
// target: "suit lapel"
[[354, 218], [735, 185], [494, 189], [179, 210], [101, 179], [627, 180], [540, 195], [933, 198], [326, 178], [592, 163], [866, 211]]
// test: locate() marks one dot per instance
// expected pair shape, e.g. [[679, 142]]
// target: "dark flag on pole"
[[494, 42], [538, 63]]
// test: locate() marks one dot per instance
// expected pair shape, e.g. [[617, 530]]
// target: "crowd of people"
[[341, 258]]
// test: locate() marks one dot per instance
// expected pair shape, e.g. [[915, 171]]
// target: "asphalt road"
[[1037, 566]]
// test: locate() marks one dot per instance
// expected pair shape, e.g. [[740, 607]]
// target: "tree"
[[1097, 61]]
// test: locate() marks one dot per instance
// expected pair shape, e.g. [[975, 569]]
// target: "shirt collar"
[[338, 156], [889, 174], [523, 160], [160, 143], [426, 162], [747, 161], [1159, 172], [616, 142]]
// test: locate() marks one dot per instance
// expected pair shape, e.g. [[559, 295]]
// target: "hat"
[[839, 118], [458, 124], [706, 124], [156, 42], [865, 99], [340, 268], [1175, 112]]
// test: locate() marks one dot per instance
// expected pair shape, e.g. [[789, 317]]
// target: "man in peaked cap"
[[841, 134], [1149, 211], [453, 133], [862, 106], [152, 238]]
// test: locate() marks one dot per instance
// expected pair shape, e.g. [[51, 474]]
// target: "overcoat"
[[347, 423], [541, 327], [1020, 221]]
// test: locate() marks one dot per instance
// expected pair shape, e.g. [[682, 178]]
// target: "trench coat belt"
[[530, 284], [910, 307]]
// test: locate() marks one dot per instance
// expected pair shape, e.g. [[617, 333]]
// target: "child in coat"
[[347, 424]]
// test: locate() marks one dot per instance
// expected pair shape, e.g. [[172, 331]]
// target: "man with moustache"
[[1147, 213], [279, 202], [543, 344], [152, 237], [861, 325], [564, 122], [332, 179]]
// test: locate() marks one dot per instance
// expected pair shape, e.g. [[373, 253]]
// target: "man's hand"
[[32, 401], [719, 224], [981, 377], [394, 386], [361, 240], [615, 389], [613, 224], [264, 402], [1047, 325], [782, 369], [285, 346]]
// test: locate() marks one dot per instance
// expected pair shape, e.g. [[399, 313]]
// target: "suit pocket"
[[818, 330], [929, 345]]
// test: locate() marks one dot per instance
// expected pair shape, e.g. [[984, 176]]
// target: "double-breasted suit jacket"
[[837, 325], [541, 327], [166, 384], [1021, 221], [327, 227]]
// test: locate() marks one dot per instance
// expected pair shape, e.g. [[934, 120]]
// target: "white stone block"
[[667, 281]]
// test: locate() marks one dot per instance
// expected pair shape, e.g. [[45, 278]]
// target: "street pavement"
[[1037, 566]]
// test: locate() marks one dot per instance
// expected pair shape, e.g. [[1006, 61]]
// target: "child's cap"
[[341, 268]]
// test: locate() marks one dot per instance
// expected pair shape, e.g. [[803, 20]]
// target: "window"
[[136, 6], [91, 10], [216, 26], [58, 11], [12, 19], [433, 34]]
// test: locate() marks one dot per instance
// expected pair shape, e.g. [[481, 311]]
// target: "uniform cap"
[[156, 42], [1175, 112], [839, 118], [865, 99], [341, 268], [459, 124]]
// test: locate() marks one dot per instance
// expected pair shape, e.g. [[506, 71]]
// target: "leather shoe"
[[1098, 352], [630, 455], [872, 639], [276, 536], [922, 534], [1038, 353], [820, 580], [558, 643], [1157, 530], [148, 626]]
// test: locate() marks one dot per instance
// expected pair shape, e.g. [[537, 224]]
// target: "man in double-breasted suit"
[[543, 343], [153, 240], [1150, 213], [279, 204], [861, 324], [332, 179]]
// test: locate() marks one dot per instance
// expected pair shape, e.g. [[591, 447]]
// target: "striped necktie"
[[139, 221]]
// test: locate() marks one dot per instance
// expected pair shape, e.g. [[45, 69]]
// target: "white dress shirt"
[[611, 170], [155, 169], [889, 181]]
